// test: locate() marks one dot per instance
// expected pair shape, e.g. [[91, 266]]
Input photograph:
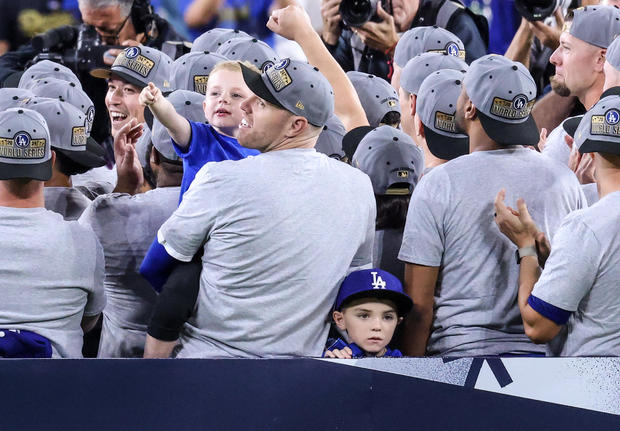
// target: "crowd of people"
[[392, 196]]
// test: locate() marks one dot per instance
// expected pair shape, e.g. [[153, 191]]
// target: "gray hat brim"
[[107, 74], [39, 171], [525, 133], [255, 83], [570, 125], [445, 147], [92, 157]]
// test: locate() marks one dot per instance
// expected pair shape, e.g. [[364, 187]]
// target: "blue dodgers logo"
[[90, 114], [266, 65], [22, 140], [281, 64], [452, 49], [132, 52], [377, 281], [612, 117], [519, 102]]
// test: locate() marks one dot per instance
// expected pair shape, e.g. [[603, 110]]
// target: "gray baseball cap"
[[191, 71], [613, 53], [436, 107], [211, 40], [249, 49], [596, 25], [422, 65], [377, 96], [48, 69], [66, 92], [188, 104], [391, 159], [294, 86], [24, 145], [142, 146], [140, 65], [599, 130], [330, 139], [504, 93], [427, 39], [13, 97]]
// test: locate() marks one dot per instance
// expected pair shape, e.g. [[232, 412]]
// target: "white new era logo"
[[377, 281]]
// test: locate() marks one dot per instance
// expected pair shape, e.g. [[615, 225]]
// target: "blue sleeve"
[[157, 265], [465, 28], [551, 312]]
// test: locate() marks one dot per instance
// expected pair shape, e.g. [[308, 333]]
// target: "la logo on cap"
[[377, 281], [452, 49], [132, 52], [612, 117], [22, 140]]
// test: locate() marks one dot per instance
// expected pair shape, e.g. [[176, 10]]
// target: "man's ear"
[[601, 56], [470, 110], [339, 320], [53, 158], [297, 125]]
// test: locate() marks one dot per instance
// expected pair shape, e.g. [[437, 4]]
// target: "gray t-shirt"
[[126, 226], [51, 274], [280, 232], [66, 201], [582, 275], [556, 148], [450, 225]]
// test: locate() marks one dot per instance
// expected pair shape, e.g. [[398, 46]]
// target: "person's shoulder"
[[600, 218]]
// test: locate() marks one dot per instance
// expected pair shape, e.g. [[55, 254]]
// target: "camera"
[[356, 13], [536, 10], [78, 48]]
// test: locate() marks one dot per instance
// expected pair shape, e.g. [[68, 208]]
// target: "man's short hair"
[[125, 5]]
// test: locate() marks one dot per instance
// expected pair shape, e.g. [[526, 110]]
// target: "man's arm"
[[154, 348], [552, 109], [293, 23], [200, 12], [420, 284], [178, 127], [521, 44]]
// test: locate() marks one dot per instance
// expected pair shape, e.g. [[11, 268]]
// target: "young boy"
[[370, 304], [199, 143]]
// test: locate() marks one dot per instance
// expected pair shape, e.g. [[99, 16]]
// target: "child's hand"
[[290, 22], [345, 353], [149, 95]]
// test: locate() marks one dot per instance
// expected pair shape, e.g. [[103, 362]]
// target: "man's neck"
[[18, 194], [59, 180], [479, 140], [609, 182], [589, 99], [290, 144], [430, 161]]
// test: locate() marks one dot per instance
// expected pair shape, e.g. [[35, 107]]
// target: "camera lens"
[[355, 13]]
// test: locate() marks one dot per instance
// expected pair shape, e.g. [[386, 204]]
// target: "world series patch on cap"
[[427, 39], [504, 93], [295, 86], [140, 65], [599, 129], [373, 283], [25, 150]]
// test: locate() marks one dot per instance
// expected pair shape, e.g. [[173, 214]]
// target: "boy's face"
[[369, 323], [225, 92]]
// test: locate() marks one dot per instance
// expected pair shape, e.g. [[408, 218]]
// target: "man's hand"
[[542, 140], [549, 36], [110, 55], [581, 165], [331, 21], [380, 36], [518, 226], [291, 22], [345, 353], [149, 95], [128, 168]]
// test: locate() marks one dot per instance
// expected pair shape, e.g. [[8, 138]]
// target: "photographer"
[[369, 46], [107, 23]]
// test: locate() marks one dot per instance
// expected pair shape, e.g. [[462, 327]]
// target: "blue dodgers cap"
[[294, 86], [376, 95], [25, 150], [419, 67], [250, 49], [329, 141], [427, 39], [599, 129], [373, 283], [211, 40], [436, 107], [504, 93], [191, 71], [391, 159], [596, 24], [17, 343]]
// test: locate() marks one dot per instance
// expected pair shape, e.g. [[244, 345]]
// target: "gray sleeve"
[[188, 228], [556, 147], [96, 300], [571, 268], [423, 237]]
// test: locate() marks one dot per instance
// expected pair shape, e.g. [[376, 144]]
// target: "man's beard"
[[559, 87]]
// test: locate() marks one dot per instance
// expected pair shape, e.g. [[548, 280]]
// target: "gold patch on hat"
[[22, 146], [200, 83], [300, 105], [606, 125], [278, 76], [78, 136], [402, 174], [445, 122], [139, 64], [391, 103], [515, 109], [166, 84]]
